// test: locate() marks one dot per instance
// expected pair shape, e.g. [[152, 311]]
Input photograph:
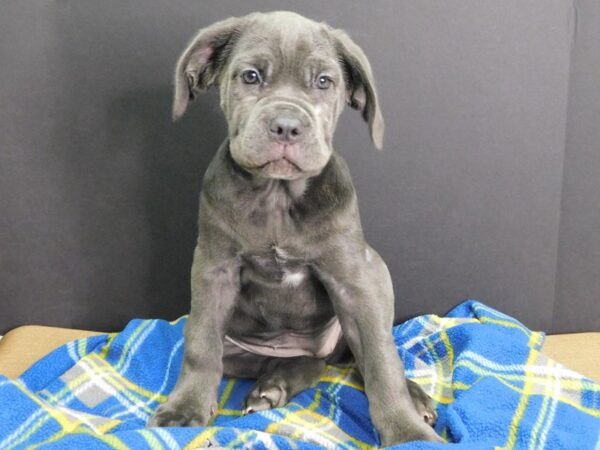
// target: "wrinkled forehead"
[[288, 43]]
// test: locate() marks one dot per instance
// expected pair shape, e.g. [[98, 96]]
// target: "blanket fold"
[[493, 388]]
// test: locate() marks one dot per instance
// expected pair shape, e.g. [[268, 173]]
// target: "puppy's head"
[[283, 80]]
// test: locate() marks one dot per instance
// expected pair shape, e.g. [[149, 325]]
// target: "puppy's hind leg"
[[281, 379]]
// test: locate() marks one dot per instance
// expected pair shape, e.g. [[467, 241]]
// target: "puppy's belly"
[[318, 343]]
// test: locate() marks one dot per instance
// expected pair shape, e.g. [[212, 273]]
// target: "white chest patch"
[[293, 278], [280, 253]]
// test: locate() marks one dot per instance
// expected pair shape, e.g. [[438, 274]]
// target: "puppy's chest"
[[270, 214], [279, 292], [273, 266], [274, 242]]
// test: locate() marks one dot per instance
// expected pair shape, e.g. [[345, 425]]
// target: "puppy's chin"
[[280, 169], [271, 161]]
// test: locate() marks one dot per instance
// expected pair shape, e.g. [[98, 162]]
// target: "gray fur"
[[270, 207]]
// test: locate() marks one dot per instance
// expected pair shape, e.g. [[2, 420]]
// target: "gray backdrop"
[[488, 187]]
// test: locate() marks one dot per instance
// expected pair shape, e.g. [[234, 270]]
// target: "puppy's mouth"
[[279, 168], [282, 163]]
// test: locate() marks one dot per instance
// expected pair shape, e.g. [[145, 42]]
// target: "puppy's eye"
[[251, 76], [323, 82]]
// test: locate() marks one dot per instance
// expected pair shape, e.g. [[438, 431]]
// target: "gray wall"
[[488, 186], [577, 303]]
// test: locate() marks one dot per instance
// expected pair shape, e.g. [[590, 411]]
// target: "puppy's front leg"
[[359, 285], [215, 285]]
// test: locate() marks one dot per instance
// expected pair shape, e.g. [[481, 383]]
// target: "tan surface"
[[579, 352], [23, 346]]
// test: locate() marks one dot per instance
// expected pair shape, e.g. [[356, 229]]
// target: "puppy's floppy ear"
[[360, 84], [200, 65]]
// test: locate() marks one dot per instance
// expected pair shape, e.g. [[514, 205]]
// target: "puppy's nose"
[[286, 128]]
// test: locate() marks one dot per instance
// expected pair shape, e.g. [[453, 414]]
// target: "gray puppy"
[[282, 278]]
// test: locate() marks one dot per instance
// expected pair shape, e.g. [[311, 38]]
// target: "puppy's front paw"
[[398, 428], [180, 414], [420, 432]]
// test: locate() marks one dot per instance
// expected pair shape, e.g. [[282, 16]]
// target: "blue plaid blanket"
[[493, 388]]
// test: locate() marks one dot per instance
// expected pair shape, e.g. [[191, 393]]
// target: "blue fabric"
[[492, 386]]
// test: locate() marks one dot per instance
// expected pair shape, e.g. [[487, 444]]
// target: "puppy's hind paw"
[[265, 397]]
